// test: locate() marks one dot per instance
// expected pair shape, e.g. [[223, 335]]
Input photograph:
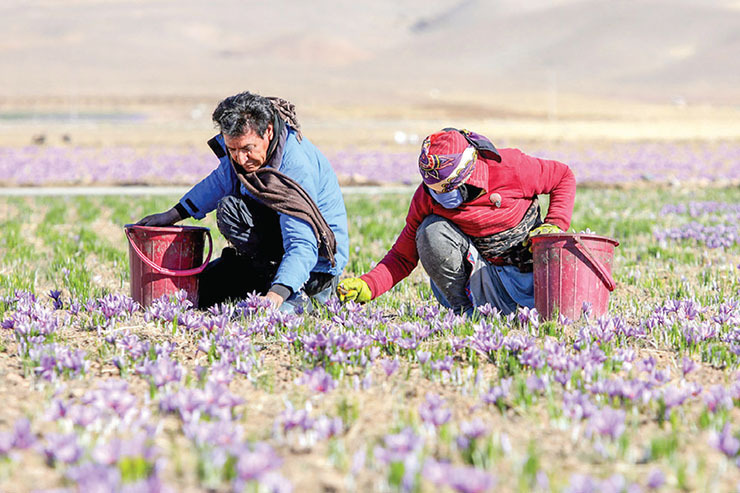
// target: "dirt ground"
[[510, 118], [180, 122]]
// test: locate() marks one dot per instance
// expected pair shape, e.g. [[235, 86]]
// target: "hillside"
[[366, 51]]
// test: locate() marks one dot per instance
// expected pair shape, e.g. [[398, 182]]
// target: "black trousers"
[[251, 264]]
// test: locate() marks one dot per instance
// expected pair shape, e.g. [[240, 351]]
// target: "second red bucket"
[[571, 269], [164, 260]]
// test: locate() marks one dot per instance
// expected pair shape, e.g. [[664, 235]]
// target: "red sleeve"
[[402, 257], [543, 176]]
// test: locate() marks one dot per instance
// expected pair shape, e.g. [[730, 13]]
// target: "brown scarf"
[[286, 111]]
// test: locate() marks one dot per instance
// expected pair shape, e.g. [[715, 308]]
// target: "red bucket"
[[164, 260], [570, 270]]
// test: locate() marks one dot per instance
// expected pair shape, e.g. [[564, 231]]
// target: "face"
[[249, 150]]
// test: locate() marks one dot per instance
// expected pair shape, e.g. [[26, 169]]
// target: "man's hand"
[[274, 298], [167, 218], [542, 229], [354, 289]]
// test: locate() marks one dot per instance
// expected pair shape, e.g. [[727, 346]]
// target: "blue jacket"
[[304, 163]]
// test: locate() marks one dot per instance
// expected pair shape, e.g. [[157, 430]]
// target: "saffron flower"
[[389, 366], [318, 380]]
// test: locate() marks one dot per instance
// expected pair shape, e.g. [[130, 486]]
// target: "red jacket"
[[517, 179]]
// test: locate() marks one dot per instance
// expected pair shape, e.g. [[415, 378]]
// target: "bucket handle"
[[605, 276], [175, 273]]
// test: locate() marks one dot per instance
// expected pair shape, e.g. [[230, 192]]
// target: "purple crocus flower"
[[608, 422], [536, 384], [464, 479], [56, 296], [373, 353], [470, 480], [222, 433], [111, 395], [423, 356], [615, 483], [577, 405], [563, 320], [23, 437], [529, 316], [62, 448], [275, 483], [162, 371], [133, 346], [655, 479], [6, 442], [673, 397], [485, 341], [471, 430], [294, 418], [497, 392], [717, 398], [83, 416], [221, 373], [326, 427], [45, 368], [647, 365], [433, 412], [457, 343], [489, 311], [586, 309], [114, 450], [518, 342], [442, 365], [725, 441], [254, 463], [435, 472], [580, 483], [318, 380], [399, 446], [95, 477], [389, 366], [532, 357]]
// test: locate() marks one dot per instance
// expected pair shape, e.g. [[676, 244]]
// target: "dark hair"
[[238, 114]]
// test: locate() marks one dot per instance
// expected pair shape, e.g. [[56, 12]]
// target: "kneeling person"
[[277, 202], [470, 222]]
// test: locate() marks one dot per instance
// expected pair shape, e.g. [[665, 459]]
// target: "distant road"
[[69, 191]]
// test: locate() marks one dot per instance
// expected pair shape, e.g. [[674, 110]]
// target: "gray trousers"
[[442, 249], [254, 231], [458, 277]]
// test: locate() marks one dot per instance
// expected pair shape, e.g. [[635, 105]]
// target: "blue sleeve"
[[204, 196], [299, 240], [301, 253]]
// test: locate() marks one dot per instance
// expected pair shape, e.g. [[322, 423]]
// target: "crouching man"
[[277, 202]]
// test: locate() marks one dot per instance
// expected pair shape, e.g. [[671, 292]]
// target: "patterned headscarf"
[[446, 161]]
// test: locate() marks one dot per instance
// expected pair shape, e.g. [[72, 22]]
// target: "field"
[[101, 395], [640, 99]]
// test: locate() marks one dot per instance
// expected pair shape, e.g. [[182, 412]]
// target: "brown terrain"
[[106, 72]]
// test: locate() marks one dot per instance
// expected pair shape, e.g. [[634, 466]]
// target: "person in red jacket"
[[470, 222]]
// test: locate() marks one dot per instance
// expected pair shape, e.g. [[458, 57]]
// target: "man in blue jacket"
[[277, 202]]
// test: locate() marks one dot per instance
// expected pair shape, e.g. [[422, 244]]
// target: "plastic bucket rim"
[[166, 229], [565, 236], [129, 228]]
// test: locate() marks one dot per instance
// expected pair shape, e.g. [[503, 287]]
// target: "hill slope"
[[365, 51]]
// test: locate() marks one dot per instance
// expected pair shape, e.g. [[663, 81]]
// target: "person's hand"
[[167, 218], [542, 229], [275, 299], [354, 289]]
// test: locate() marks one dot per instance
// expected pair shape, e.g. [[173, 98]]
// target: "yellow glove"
[[354, 289], [542, 229]]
